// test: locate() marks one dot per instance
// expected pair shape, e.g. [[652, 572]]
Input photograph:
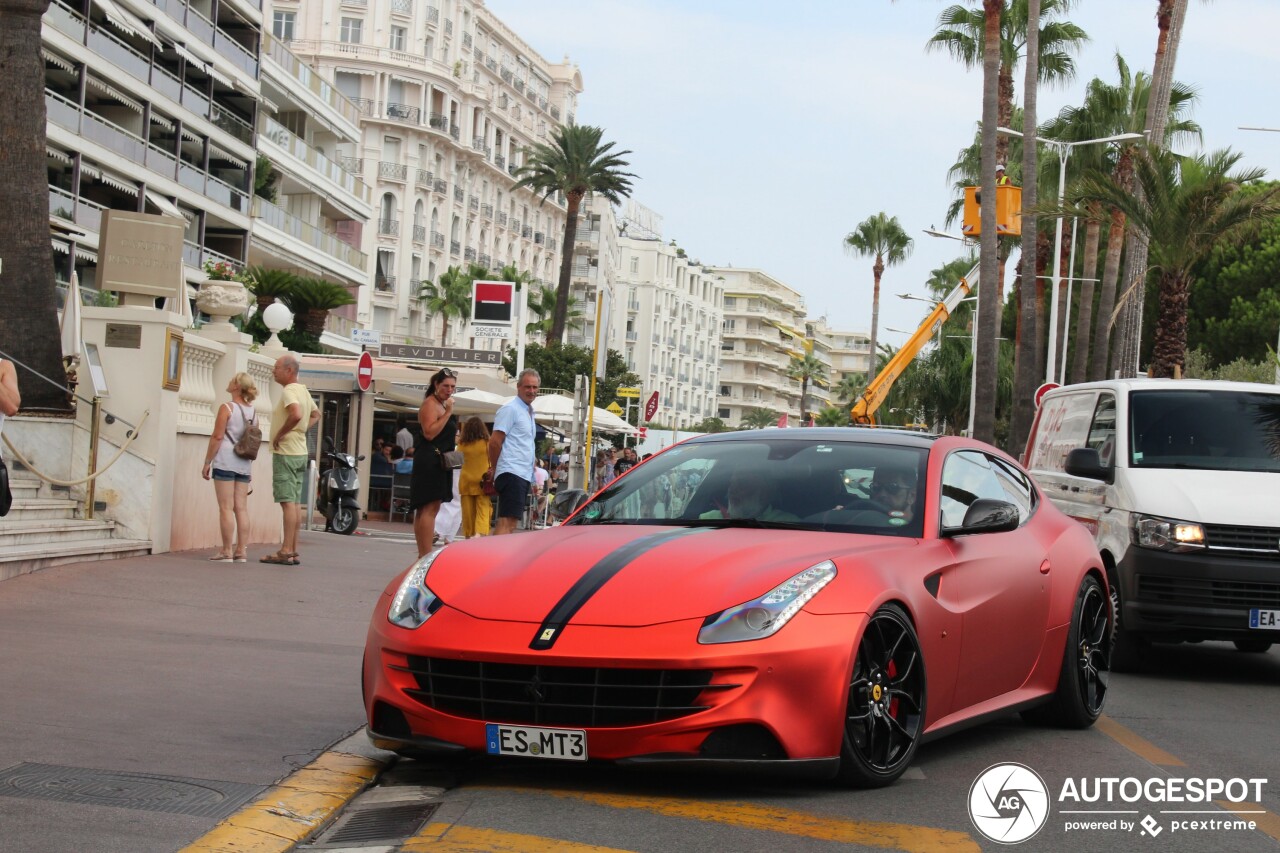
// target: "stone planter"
[[223, 300]]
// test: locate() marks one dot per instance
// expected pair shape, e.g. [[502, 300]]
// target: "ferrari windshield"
[[778, 483], [1211, 430]]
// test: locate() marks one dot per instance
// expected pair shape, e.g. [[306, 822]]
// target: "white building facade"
[[448, 99]]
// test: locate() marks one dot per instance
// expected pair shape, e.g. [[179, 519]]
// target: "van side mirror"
[[1085, 462], [986, 515]]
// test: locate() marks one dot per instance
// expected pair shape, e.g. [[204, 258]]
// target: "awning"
[[122, 184], [190, 57], [112, 92], [166, 207], [58, 61], [364, 72], [125, 20], [341, 344], [60, 247], [86, 254], [407, 80], [88, 171], [220, 77], [221, 154], [58, 155], [156, 118], [191, 135]]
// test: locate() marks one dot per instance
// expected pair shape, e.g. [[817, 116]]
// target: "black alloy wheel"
[[1086, 662], [884, 716]]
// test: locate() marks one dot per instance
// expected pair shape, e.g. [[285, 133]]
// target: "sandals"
[[221, 558], [282, 558]]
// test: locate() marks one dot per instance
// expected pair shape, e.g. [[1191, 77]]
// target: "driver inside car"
[[895, 489], [748, 497]]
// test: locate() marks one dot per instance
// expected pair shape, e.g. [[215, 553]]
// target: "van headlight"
[[764, 616], [1167, 534], [414, 602]]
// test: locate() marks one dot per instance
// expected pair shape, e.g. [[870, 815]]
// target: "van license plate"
[[1267, 620], [528, 742]]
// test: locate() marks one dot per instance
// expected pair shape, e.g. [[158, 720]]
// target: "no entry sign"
[[364, 371]]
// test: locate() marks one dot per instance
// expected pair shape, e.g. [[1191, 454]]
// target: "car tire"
[[1082, 681], [1252, 646], [885, 702], [345, 520], [1128, 649]]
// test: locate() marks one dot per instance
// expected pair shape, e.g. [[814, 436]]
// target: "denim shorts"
[[513, 495], [222, 474]]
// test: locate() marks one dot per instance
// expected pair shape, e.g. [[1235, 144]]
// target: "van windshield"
[[1210, 430]]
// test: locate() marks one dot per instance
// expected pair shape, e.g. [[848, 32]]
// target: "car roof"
[[898, 437], [1143, 383]]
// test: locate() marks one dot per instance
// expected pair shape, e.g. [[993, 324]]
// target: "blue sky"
[[763, 132]]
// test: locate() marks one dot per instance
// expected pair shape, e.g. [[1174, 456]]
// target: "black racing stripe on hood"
[[594, 578]]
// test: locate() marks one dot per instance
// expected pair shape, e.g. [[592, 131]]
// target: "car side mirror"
[[566, 503], [1085, 462], [986, 515]]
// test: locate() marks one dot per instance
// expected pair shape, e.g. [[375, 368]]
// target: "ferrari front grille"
[[1207, 593], [586, 697]]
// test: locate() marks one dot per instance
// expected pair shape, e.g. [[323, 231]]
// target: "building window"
[[635, 265], [352, 31], [282, 25], [398, 35]]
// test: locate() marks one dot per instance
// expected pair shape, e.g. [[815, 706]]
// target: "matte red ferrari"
[[816, 601]]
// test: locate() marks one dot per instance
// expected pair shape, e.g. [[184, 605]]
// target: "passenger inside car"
[[748, 497]]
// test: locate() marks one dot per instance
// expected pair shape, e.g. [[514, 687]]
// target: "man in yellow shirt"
[[293, 415]]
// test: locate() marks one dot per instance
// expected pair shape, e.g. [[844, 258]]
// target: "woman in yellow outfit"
[[477, 507]]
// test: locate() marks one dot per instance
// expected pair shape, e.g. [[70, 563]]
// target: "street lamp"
[[1063, 150]]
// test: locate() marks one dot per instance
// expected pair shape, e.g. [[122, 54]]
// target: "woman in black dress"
[[430, 483]]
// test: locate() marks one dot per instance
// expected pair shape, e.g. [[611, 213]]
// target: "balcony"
[[631, 335], [500, 161], [302, 73], [423, 178], [440, 187], [448, 28], [526, 232], [469, 254], [404, 112], [455, 130], [437, 121], [484, 260], [269, 214], [433, 15], [365, 106], [515, 225], [538, 237], [389, 171], [455, 247], [473, 204], [354, 165], [478, 144], [402, 7], [486, 210], [458, 195], [513, 170], [502, 218], [339, 173], [437, 240], [388, 227], [384, 283], [420, 234]]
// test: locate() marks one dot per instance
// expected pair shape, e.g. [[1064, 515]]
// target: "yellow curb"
[[292, 809]]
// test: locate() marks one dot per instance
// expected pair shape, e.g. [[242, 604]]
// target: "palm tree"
[[1169, 17], [961, 33], [1110, 110], [575, 163], [881, 237], [268, 285], [1183, 207], [29, 321], [807, 368], [544, 308], [985, 349], [833, 416], [849, 387], [451, 297], [311, 299], [759, 418]]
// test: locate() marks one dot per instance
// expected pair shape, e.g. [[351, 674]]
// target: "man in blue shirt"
[[511, 451]]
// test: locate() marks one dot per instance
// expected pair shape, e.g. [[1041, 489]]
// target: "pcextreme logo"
[[1008, 803]]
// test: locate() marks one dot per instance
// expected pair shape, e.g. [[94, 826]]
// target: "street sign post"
[[1045, 389], [366, 337], [629, 392], [364, 371]]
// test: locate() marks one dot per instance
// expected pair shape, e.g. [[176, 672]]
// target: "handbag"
[[486, 484], [246, 447], [450, 459], [6, 496]]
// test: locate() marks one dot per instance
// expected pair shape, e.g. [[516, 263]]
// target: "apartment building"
[[448, 99], [667, 319], [849, 352], [594, 270], [152, 107], [763, 329]]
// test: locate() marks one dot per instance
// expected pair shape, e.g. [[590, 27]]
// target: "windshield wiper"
[[734, 522]]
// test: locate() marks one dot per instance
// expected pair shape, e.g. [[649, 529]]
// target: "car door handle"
[[1044, 567]]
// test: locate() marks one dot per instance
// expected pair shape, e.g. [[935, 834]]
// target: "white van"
[[1179, 481]]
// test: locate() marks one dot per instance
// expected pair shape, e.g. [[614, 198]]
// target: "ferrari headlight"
[[765, 616], [1166, 534], [414, 602]]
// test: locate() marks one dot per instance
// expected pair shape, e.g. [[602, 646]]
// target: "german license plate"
[[528, 742], [1266, 620]]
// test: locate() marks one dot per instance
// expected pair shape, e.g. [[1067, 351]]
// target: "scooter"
[[339, 486]]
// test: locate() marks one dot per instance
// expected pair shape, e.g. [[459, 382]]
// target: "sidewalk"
[[226, 677]]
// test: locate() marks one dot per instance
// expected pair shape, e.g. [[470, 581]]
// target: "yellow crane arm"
[[864, 408]]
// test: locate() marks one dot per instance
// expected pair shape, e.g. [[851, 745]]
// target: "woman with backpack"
[[228, 461]]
